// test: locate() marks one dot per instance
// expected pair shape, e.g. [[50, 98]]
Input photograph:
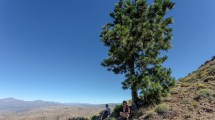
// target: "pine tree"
[[137, 37]]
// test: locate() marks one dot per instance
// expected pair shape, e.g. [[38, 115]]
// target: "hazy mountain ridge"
[[8, 104]]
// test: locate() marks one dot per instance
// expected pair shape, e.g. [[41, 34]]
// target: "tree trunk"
[[134, 94]]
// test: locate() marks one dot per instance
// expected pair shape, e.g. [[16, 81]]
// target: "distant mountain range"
[[14, 109], [12, 104], [8, 104]]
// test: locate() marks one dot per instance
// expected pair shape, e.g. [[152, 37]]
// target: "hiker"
[[125, 114], [106, 113]]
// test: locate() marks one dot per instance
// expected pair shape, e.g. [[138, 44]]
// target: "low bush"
[[199, 75], [95, 117], [209, 78], [116, 111], [78, 118], [185, 101], [174, 91], [205, 92], [194, 104], [150, 114], [201, 86], [167, 98], [211, 70], [177, 84], [111, 118], [161, 108], [185, 84]]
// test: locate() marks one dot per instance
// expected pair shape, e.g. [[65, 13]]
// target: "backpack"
[[133, 108]]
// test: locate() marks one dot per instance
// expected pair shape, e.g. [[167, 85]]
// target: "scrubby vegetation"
[[205, 72], [79, 118], [111, 118], [95, 117], [116, 111], [150, 114], [206, 93], [161, 108]]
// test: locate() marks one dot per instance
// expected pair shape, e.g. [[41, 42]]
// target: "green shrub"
[[205, 93], [209, 78], [167, 98], [116, 111], [95, 117], [194, 104], [150, 114], [185, 101], [211, 70], [199, 75], [78, 118], [161, 108], [185, 84], [111, 118], [174, 91], [201, 86], [177, 84], [153, 93]]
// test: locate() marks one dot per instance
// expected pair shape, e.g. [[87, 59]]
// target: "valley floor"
[[51, 113]]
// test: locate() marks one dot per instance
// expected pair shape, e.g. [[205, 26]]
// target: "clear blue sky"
[[50, 49]]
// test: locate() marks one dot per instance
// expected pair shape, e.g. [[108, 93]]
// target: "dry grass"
[[161, 108], [185, 84], [150, 114]]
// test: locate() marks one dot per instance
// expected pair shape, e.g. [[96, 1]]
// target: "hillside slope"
[[192, 98]]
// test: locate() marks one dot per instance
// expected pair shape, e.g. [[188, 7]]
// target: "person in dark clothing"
[[125, 114], [133, 107], [106, 113]]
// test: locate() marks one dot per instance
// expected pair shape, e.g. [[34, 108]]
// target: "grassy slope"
[[193, 97]]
